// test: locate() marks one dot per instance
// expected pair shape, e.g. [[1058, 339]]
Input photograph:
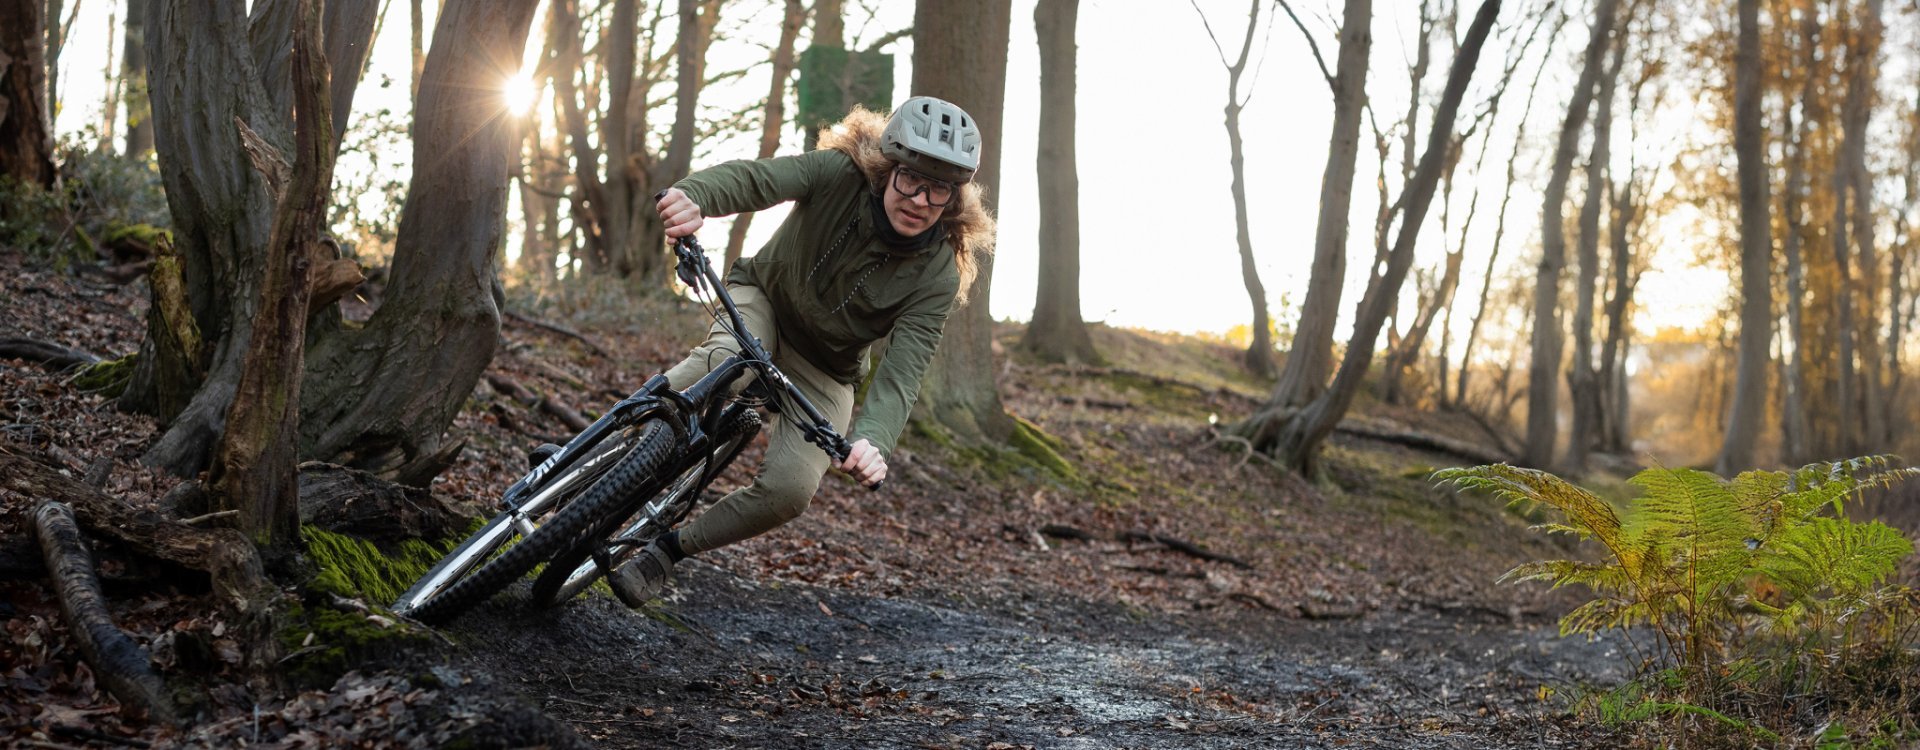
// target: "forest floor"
[[933, 614]]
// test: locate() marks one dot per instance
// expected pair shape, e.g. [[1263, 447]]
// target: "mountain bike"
[[632, 475]]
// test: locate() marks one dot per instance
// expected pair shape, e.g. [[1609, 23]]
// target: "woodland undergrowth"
[[1762, 612]]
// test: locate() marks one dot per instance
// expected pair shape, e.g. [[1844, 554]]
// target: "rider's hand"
[[865, 463], [680, 213]]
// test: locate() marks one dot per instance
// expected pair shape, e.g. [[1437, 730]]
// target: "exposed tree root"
[[228, 557], [349, 501], [47, 354], [119, 662]]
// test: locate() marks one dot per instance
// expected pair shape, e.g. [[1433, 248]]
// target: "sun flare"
[[519, 94]]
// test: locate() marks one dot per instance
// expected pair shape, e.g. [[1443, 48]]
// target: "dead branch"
[[47, 354], [1253, 600], [1414, 439], [120, 662], [559, 329], [1183, 546], [508, 387]]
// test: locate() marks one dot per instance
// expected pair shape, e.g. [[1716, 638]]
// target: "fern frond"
[[1584, 510], [1602, 578], [1831, 553], [1703, 517]]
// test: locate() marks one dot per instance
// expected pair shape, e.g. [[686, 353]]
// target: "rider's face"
[[910, 215]]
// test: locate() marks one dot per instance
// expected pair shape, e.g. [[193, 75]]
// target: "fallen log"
[[512, 389], [1059, 531], [1413, 439], [559, 329], [227, 556], [45, 353], [121, 664]]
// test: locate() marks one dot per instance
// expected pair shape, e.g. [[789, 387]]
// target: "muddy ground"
[[732, 661]]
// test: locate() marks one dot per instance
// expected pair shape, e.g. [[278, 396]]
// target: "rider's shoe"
[[541, 454], [643, 577]]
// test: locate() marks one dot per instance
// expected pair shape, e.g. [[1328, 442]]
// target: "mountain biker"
[[885, 236]]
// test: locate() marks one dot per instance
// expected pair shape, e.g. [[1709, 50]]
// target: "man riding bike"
[[885, 236]]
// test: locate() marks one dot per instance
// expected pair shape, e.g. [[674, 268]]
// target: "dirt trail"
[[735, 663]]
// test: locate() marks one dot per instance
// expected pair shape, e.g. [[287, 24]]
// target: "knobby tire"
[[737, 428], [656, 450]]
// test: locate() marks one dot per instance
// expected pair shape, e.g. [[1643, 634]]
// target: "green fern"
[[1700, 558]]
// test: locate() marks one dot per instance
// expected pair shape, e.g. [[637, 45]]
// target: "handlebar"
[[696, 271]]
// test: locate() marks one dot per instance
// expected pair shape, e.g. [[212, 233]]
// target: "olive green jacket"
[[835, 287]]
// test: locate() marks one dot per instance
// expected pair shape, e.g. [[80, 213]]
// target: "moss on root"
[[1041, 449], [354, 568], [108, 377], [322, 642]]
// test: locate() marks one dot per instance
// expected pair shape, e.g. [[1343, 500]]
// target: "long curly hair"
[[969, 225]]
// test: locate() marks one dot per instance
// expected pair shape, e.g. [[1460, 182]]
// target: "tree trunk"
[[1259, 355], [1500, 223], [1299, 443], [26, 150], [775, 117], [1862, 71], [1542, 382], [1756, 251], [617, 137], [133, 79], [1311, 360], [381, 398], [960, 55], [54, 43], [1583, 382], [349, 38], [204, 81], [110, 103], [419, 29], [1058, 333], [1793, 414], [589, 200], [1851, 415], [253, 467], [1613, 385]]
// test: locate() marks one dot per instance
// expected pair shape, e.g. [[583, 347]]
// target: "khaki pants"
[[793, 467]]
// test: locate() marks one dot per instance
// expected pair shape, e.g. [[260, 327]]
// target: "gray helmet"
[[933, 137]]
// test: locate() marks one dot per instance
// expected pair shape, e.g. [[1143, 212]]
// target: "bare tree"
[[1793, 410], [1582, 381], [1500, 223], [1259, 356], [1310, 362], [960, 55], [1057, 333], [776, 114], [1299, 442], [1542, 381], [1756, 251]]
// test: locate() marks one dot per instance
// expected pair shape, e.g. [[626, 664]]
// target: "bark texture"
[[26, 151], [121, 663], [133, 77], [1057, 332], [960, 55], [380, 398], [253, 467]]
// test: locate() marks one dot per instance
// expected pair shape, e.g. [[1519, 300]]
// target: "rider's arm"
[[753, 184], [896, 382]]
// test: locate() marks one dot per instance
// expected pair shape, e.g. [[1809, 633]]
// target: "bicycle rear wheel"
[[473, 572], [618, 537]]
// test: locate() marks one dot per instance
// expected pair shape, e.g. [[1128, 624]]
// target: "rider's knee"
[[787, 497]]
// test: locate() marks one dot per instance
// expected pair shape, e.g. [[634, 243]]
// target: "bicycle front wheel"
[[472, 572], [613, 542]]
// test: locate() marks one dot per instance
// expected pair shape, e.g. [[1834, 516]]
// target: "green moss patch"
[[354, 568], [108, 377]]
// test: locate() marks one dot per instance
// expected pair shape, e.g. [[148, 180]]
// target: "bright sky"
[[1158, 248]]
